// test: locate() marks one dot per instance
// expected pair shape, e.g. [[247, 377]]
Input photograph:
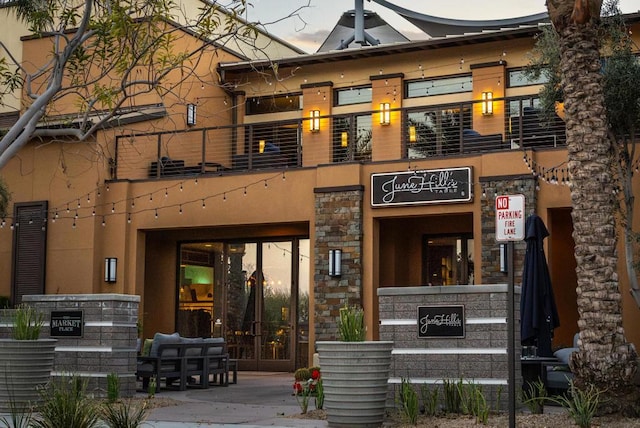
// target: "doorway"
[[252, 292]]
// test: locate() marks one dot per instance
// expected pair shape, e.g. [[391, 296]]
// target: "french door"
[[263, 324]]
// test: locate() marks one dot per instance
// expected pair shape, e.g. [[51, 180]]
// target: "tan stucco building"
[[227, 225]]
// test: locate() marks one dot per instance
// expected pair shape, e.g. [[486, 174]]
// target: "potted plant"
[[26, 360], [355, 373]]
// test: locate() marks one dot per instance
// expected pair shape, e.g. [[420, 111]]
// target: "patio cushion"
[[564, 354], [146, 347], [192, 352], [159, 338]]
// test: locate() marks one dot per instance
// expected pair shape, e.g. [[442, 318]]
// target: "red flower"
[[315, 374], [297, 388]]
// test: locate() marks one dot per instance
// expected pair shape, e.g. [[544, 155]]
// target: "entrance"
[[254, 293]]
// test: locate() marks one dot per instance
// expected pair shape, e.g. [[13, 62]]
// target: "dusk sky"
[[315, 21]]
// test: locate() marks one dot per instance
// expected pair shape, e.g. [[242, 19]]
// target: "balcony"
[[411, 133]]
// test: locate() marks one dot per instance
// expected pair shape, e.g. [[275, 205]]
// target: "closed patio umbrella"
[[538, 313]]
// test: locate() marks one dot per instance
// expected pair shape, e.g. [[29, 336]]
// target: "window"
[[436, 131], [448, 260], [439, 86], [357, 95], [352, 138], [519, 77], [273, 104]]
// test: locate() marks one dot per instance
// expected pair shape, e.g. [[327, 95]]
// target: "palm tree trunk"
[[605, 358]]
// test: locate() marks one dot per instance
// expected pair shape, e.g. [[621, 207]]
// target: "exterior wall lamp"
[[314, 122], [335, 262], [487, 103], [191, 114], [385, 113], [110, 268], [412, 134]]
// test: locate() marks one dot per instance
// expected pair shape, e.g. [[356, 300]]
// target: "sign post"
[[510, 225]]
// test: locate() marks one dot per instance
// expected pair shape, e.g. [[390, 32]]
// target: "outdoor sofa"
[[196, 362], [558, 374]]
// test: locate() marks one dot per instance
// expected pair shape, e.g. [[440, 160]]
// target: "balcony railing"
[[418, 132]]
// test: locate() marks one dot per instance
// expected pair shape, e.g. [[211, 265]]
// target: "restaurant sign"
[[441, 321], [66, 323], [430, 186]]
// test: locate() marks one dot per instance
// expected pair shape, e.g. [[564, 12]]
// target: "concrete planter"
[[355, 378], [25, 367]]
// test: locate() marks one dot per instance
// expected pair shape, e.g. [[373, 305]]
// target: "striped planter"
[[355, 378], [25, 367]]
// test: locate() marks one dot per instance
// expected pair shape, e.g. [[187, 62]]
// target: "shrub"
[[429, 399], [451, 396], [125, 414], [534, 396], [351, 324], [113, 387], [581, 404], [27, 323], [408, 401], [67, 405]]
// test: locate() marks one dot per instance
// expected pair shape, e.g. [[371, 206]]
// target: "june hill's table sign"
[[422, 187], [441, 321], [66, 323]]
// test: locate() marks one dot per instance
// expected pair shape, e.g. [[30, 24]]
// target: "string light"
[[77, 214]]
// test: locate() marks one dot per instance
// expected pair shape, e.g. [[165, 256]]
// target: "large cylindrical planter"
[[25, 367], [355, 377]]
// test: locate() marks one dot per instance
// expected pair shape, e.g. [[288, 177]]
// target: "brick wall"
[[108, 343], [480, 356]]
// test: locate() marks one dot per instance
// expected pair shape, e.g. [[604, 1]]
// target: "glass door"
[[260, 307]]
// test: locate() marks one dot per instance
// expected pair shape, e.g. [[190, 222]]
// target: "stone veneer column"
[[502, 185], [338, 226]]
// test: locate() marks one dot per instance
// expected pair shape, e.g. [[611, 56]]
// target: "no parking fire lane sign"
[[510, 218]]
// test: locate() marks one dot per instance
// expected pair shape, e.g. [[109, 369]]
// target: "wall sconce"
[[261, 146], [110, 268], [191, 114], [487, 103], [335, 262], [344, 139], [314, 123], [385, 114], [412, 134]]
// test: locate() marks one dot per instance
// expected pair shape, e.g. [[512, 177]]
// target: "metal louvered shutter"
[[29, 249]]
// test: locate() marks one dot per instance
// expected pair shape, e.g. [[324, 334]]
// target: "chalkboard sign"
[[66, 323], [441, 321]]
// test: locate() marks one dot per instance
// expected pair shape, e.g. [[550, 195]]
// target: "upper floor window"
[[356, 95], [273, 104], [439, 86], [519, 77]]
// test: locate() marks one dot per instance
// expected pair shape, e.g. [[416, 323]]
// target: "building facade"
[[293, 190]]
